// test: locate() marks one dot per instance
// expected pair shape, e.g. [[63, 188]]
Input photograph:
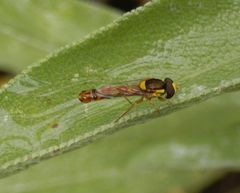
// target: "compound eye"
[[168, 80], [170, 91]]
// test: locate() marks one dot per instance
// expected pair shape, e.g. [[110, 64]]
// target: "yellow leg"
[[161, 98], [153, 104], [130, 108], [128, 100]]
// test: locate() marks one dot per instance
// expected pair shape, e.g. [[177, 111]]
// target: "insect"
[[148, 89]]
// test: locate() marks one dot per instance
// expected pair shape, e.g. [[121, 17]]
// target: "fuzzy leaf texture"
[[31, 29], [196, 43], [182, 152]]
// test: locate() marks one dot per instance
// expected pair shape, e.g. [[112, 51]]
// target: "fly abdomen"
[[87, 96]]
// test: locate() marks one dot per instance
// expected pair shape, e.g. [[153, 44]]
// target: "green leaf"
[[171, 154], [31, 29], [195, 43]]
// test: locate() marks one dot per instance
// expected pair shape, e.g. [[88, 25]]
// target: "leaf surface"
[[29, 30], [182, 152], [195, 43]]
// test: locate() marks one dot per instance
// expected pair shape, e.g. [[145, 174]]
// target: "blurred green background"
[[132, 160]]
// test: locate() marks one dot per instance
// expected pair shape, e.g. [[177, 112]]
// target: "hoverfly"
[[147, 89]]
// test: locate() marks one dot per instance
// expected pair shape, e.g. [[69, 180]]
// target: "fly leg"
[[153, 104], [128, 100], [161, 98], [130, 108]]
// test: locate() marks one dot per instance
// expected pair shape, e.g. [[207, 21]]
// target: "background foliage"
[[178, 153]]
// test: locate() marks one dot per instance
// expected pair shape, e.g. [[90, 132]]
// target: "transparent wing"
[[128, 82], [110, 82], [116, 91], [118, 88]]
